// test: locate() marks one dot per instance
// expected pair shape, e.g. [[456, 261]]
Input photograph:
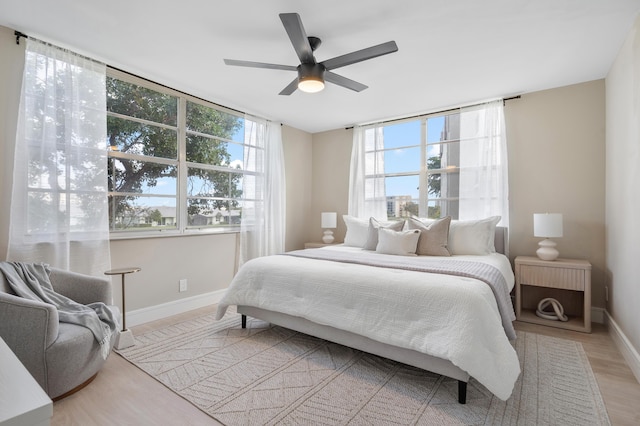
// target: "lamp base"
[[327, 238], [547, 250]]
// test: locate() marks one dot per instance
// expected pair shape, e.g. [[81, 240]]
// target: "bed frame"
[[356, 341]]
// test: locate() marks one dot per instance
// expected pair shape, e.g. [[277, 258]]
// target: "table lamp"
[[329, 221], [547, 225]]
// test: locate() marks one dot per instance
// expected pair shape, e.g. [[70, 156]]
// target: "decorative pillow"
[[473, 236], [434, 238], [357, 231], [402, 243], [374, 225]]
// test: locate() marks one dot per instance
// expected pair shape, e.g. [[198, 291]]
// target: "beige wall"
[[11, 67], [298, 159], [331, 160], [556, 143], [556, 164], [207, 262], [623, 187]]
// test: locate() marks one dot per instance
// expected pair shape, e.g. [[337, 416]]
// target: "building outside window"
[[421, 166]]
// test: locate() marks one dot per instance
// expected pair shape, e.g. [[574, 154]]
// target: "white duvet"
[[454, 318]]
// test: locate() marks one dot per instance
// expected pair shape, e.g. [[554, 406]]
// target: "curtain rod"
[[19, 34], [176, 90], [504, 100]]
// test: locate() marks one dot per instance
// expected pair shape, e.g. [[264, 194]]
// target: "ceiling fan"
[[312, 74]]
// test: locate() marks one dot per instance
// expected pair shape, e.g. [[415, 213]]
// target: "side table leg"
[[124, 310]]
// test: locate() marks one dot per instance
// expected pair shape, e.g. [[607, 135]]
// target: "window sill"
[[133, 235]]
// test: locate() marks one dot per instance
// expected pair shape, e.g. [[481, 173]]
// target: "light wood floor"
[[124, 395]]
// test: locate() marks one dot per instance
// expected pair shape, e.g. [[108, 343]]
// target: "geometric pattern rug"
[[267, 374]]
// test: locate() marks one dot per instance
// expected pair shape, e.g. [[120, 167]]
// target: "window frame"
[[182, 227], [423, 173]]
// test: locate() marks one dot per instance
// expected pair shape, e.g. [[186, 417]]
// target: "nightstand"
[[567, 280]]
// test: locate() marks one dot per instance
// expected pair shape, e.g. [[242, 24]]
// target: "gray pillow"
[[433, 237], [372, 238]]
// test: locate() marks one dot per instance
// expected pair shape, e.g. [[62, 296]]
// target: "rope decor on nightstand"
[[556, 314]]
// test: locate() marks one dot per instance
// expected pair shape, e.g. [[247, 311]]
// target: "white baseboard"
[[629, 353], [152, 313], [597, 315]]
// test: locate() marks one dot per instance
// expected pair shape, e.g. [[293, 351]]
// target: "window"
[[448, 164], [421, 166], [175, 162]]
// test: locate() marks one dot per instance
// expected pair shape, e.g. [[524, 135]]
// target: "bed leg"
[[244, 322], [462, 392]]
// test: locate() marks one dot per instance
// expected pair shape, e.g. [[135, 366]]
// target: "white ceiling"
[[450, 52]]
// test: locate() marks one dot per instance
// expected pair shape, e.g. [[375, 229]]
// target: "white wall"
[[623, 187]]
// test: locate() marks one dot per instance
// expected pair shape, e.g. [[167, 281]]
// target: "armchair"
[[62, 357]]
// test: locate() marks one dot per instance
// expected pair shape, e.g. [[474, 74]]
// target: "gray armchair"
[[62, 357]]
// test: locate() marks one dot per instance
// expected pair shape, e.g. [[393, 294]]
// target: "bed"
[[453, 324]]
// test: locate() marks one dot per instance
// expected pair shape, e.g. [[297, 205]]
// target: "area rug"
[[266, 375]]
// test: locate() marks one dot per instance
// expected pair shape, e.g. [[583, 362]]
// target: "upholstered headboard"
[[502, 240]]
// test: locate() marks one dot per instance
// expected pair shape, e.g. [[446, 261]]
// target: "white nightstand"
[[567, 280]]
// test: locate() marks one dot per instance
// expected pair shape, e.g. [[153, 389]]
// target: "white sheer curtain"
[[59, 212], [484, 185], [367, 196], [262, 229]]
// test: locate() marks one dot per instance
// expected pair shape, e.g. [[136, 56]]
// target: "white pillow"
[[475, 237], [402, 243], [374, 225], [357, 231]]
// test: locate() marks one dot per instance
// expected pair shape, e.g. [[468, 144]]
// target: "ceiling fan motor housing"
[[311, 77], [311, 72]]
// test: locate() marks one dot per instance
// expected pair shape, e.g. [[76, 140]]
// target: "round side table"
[[125, 337]]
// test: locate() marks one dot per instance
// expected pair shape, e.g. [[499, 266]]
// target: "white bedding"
[[455, 318]]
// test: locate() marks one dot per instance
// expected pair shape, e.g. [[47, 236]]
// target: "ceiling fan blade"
[[344, 81], [259, 65], [298, 36], [290, 88], [361, 55]]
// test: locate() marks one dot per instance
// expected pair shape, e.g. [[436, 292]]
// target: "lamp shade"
[[547, 225], [329, 220]]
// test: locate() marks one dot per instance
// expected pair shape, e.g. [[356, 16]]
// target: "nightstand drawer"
[[562, 278]]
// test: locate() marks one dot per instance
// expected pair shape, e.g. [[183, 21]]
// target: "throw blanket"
[[31, 281], [461, 268]]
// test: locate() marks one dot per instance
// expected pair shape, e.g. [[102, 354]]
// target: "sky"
[[406, 158]]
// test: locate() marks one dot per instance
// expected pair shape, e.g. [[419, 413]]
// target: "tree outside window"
[[152, 186]]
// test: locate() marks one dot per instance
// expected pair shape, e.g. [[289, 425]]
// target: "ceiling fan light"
[[310, 85], [311, 77]]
